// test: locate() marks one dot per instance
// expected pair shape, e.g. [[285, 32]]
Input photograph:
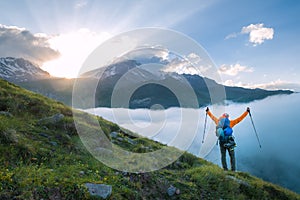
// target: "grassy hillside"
[[57, 88], [43, 158]]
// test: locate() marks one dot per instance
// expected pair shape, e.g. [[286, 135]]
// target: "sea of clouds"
[[275, 118]]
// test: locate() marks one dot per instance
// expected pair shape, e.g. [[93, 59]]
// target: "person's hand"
[[207, 109], [248, 109]]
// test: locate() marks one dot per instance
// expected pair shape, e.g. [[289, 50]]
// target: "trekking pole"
[[254, 129], [204, 127]]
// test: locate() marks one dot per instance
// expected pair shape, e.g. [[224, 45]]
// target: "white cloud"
[[273, 85], [258, 33], [147, 52], [190, 64], [232, 35], [194, 58], [180, 66], [279, 85], [19, 42], [233, 70]]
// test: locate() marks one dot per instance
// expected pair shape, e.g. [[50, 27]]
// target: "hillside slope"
[[42, 157]]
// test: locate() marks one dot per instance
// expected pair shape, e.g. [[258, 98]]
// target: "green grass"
[[49, 161]]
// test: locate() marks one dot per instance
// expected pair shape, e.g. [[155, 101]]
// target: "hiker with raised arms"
[[224, 133]]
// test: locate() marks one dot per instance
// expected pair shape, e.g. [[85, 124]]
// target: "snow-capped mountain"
[[20, 70], [154, 86], [134, 70], [111, 70]]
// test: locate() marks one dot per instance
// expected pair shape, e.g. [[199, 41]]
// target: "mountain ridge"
[[133, 74], [138, 76]]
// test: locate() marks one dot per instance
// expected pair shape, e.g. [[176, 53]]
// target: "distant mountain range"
[[153, 86]]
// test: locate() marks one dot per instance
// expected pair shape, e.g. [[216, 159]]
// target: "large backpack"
[[223, 130]]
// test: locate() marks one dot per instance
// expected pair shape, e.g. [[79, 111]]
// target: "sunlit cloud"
[[279, 85], [147, 52], [190, 64], [74, 48], [21, 43], [273, 85], [180, 66], [233, 70], [258, 33], [194, 58]]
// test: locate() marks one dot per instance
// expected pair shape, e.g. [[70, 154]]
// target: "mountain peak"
[[20, 70]]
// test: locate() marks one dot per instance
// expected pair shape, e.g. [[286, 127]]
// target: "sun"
[[74, 48]]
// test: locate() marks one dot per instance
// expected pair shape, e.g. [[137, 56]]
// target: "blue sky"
[[253, 43]]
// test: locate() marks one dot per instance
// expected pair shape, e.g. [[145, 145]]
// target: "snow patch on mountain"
[[20, 70]]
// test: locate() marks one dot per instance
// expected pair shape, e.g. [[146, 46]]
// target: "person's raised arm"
[[215, 119], [240, 118]]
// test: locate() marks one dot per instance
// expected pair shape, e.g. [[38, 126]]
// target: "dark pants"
[[223, 157]]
